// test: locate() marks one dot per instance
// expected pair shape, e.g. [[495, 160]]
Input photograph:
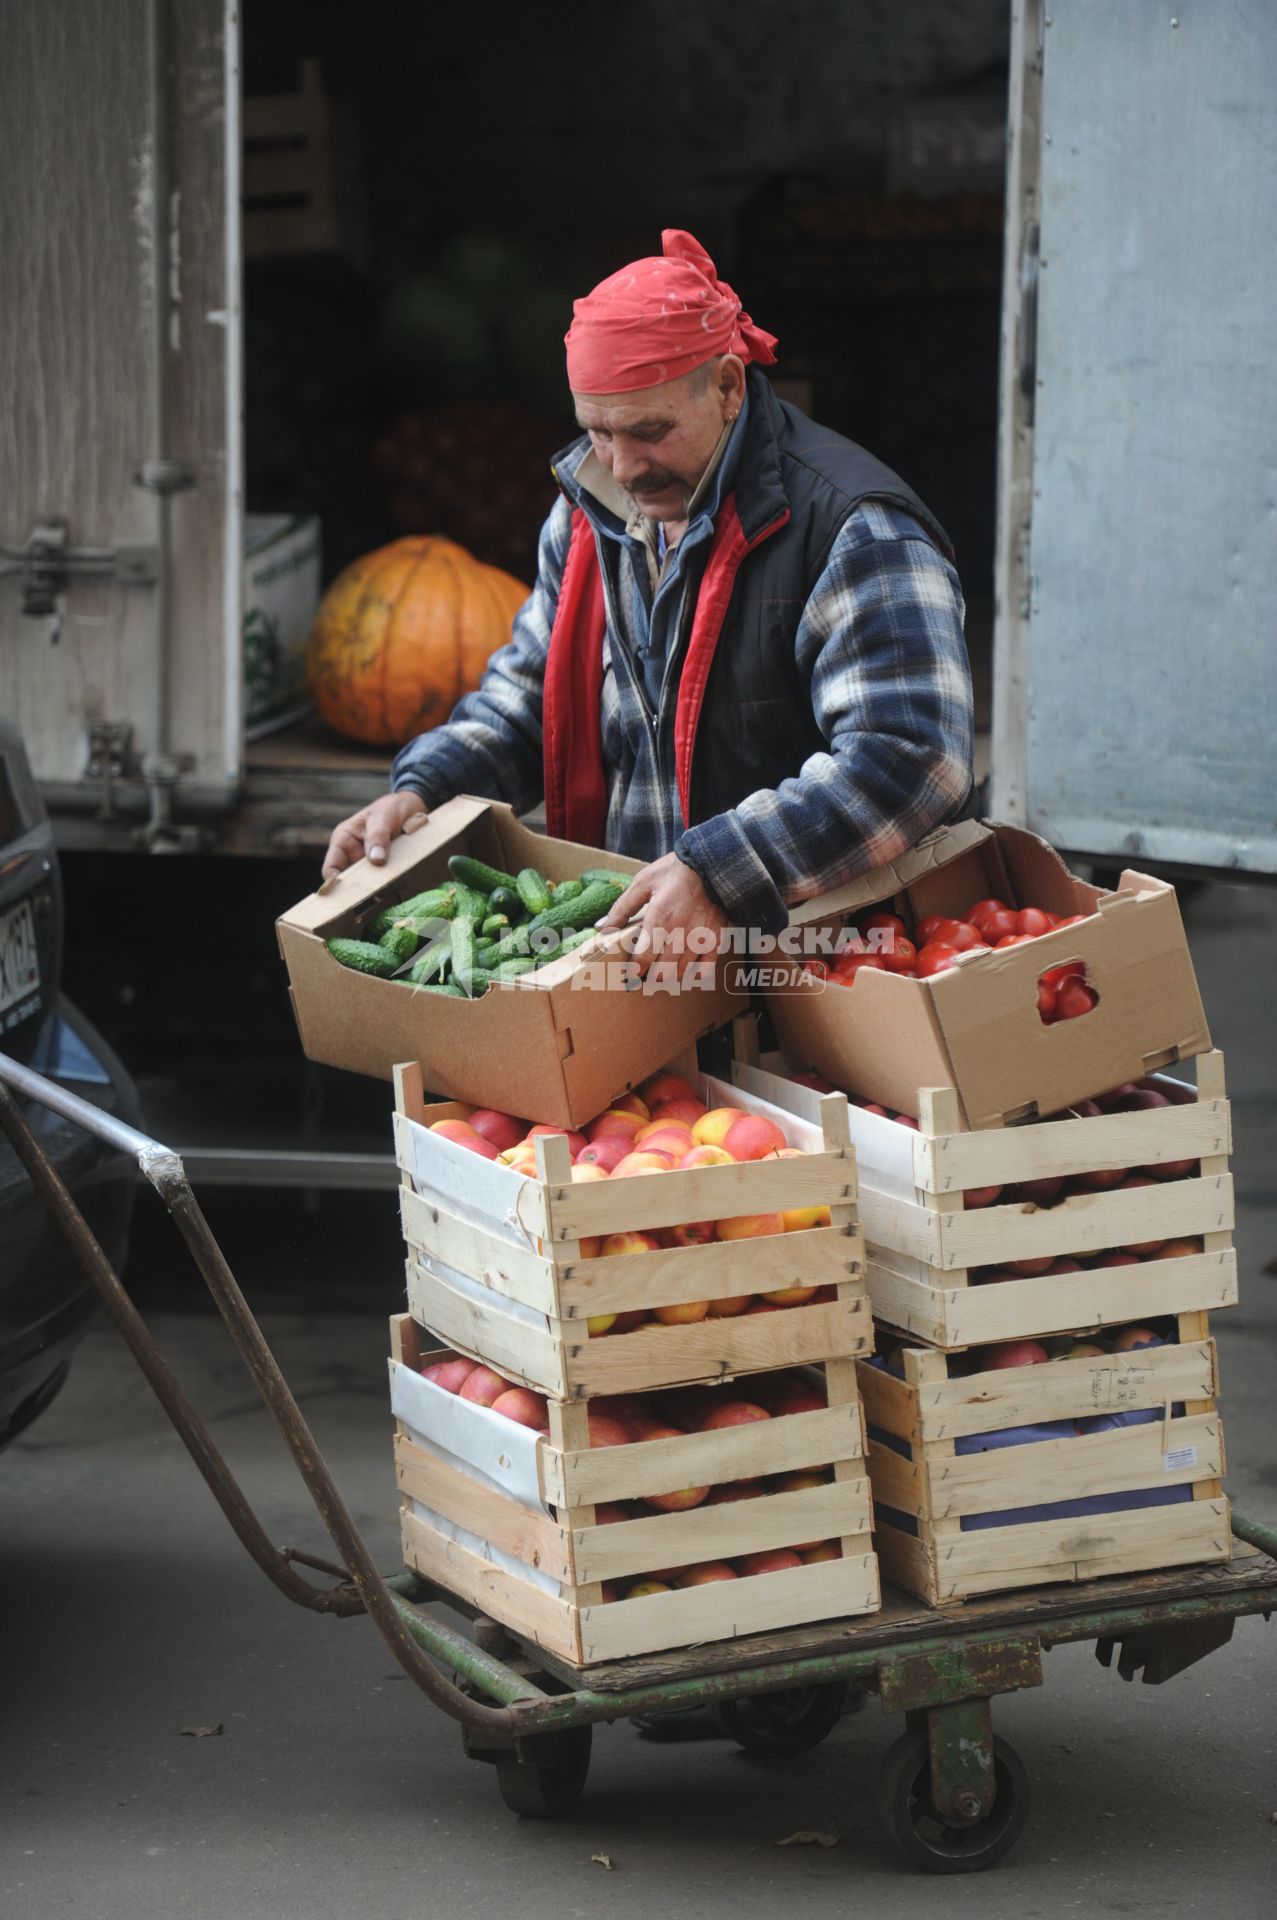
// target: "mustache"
[[659, 480]]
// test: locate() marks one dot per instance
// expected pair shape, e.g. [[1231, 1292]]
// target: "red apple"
[[462, 1134], [683, 1112], [663, 1087], [733, 1413], [501, 1130], [1131, 1339], [631, 1103], [606, 1152], [605, 1432], [1039, 1193], [777, 1560], [483, 1386], [752, 1136], [706, 1572], [981, 1196], [1012, 1353], [733, 1490], [450, 1374], [525, 1407], [576, 1141]]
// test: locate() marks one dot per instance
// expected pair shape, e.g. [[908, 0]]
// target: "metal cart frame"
[[954, 1794]]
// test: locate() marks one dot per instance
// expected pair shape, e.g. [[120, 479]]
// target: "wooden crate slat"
[[530, 1537], [895, 1481], [519, 1273], [538, 1616], [530, 1355], [702, 1193], [1120, 1461], [630, 1547], [947, 1163], [1139, 1539], [461, 1171], [1063, 1389], [814, 1257], [1083, 1223], [968, 1316], [785, 1445], [761, 1603], [720, 1349]]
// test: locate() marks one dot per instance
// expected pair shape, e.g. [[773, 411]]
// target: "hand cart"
[[952, 1792]]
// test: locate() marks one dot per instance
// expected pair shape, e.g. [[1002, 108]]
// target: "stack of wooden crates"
[[507, 1519], [998, 1477]]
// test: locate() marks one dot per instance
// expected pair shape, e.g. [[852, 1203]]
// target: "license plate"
[[19, 961]]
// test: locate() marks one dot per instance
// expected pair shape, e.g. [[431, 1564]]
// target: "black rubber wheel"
[[904, 1801], [782, 1723], [548, 1783]]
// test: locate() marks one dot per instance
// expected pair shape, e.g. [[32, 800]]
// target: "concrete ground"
[[129, 1616]]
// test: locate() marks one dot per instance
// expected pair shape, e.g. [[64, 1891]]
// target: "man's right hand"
[[371, 830]]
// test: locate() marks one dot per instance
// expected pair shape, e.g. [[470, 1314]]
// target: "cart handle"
[[164, 1169]]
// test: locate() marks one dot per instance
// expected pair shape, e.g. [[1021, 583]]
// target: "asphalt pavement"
[[176, 1739]]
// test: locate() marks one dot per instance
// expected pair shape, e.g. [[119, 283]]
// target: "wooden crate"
[[538, 1563], [937, 1487], [923, 1244], [494, 1263]]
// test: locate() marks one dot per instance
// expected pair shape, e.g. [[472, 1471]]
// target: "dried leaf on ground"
[[202, 1733], [603, 1859], [808, 1837]]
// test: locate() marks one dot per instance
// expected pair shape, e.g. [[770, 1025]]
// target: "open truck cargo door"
[[120, 643], [1135, 656]]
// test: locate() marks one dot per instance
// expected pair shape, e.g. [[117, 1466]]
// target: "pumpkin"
[[402, 633]]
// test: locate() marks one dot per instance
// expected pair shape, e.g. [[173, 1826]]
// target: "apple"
[[799, 1219], [705, 1156], [598, 1324], [642, 1162], [605, 1432], [749, 1226], [631, 1241], [643, 1587], [450, 1374], [762, 1306], [462, 1134], [775, 1561], [1113, 1257], [689, 1233], [500, 1130], [1131, 1339], [663, 1087], [1173, 1169], [586, 1171], [752, 1136], [711, 1129], [1176, 1249], [670, 1139], [733, 1490], [631, 1103], [629, 1319], [792, 1394], [981, 1196], [1026, 1268], [525, 1407], [483, 1386], [682, 1500], [610, 1513], [684, 1113], [576, 1141], [814, 1081], [827, 1550], [1012, 1353], [1081, 1350], [608, 1592], [790, 1296], [1039, 1193], [614, 1122], [683, 1313], [706, 1572], [605, 1153], [729, 1308], [733, 1413]]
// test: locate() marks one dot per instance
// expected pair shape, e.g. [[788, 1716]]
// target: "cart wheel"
[[549, 1782], [904, 1802], [783, 1723]]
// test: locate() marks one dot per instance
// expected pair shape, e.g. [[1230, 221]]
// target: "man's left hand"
[[674, 902]]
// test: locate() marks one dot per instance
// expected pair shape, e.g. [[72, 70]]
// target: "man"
[[742, 660]]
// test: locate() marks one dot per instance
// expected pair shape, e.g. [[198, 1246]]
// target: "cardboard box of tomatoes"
[[978, 961]]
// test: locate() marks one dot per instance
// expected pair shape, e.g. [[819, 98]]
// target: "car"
[[46, 1303]]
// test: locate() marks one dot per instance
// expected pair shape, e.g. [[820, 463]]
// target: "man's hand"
[[674, 903], [371, 830]]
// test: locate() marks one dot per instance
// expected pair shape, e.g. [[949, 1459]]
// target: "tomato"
[[848, 965], [996, 925], [816, 969], [976, 913], [936, 926], [899, 957], [1014, 940], [1073, 920], [965, 938], [1054, 977], [934, 957], [1074, 998], [1046, 1001], [891, 921], [1034, 921]]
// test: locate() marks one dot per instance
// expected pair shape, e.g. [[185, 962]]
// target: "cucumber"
[[496, 924], [577, 939], [511, 969], [533, 890], [435, 986], [567, 890], [478, 875], [470, 905], [436, 904], [363, 956], [430, 966], [512, 946], [401, 941], [621, 880], [589, 906], [506, 900], [464, 965]]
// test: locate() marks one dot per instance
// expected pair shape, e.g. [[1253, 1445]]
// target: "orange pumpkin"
[[402, 633]]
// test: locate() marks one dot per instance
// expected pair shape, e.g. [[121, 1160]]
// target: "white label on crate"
[[482, 1445], [1176, 1457]]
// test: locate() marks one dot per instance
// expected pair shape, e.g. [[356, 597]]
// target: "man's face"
[[658, 441]]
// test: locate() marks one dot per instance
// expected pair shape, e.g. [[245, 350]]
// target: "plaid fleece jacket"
[[879, 640]]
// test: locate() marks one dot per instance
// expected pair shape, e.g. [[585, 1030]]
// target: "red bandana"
[[657, 319]]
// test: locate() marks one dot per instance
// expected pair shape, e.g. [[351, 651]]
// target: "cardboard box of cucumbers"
[[468, 952]]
